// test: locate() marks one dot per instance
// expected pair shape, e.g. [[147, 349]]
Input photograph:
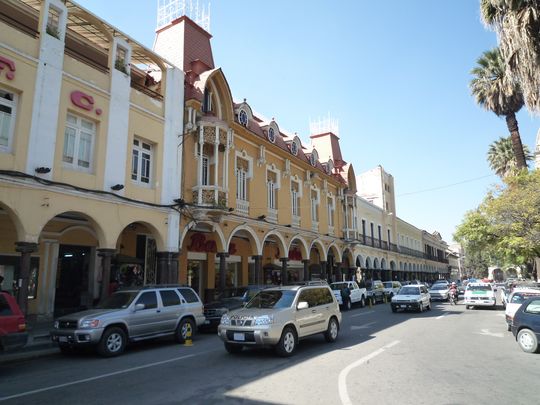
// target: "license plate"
[[62, 339], [207, 322], [403, 306], [239, 336]]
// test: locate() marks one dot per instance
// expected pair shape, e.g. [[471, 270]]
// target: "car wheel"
[[233, 349], [362, 302], [287, 343], [332, 331], [467, 307], [184, 326], [527, 341], [112, 343]]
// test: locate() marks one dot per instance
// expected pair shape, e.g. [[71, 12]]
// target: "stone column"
[[167, 267], [106, 255], [324, 274], [284, 275], [258, 269], [222, 270], [25, 249], [305, 262]]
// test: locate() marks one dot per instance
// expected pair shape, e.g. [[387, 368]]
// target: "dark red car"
[[13, 334]]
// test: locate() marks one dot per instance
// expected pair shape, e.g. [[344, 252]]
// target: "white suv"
[[411, 297], [479, 294], [278, 317]]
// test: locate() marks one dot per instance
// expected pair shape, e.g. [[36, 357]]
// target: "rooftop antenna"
[[169, 10], [324, 125]]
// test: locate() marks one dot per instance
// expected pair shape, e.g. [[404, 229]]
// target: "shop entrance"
[[71, 279]]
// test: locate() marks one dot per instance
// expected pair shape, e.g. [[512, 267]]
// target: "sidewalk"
[[39, 343]]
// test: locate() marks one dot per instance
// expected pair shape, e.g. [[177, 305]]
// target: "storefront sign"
[[5, 62], [84, 101], [200, 244]]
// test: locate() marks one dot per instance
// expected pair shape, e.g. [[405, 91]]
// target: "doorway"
[[71, 278]]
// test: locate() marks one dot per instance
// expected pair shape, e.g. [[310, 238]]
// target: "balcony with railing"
[[242, 207]]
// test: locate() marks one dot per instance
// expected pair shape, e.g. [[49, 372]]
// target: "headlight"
[[90, 323], [56, 324], [264, 320], [225, 320]]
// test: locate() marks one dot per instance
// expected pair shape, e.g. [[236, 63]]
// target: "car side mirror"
[[138, 307], [302, 305]]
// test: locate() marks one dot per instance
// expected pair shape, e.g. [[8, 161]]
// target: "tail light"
[[21, 325]]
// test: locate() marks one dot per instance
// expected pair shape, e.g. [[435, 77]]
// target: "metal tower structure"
[[324, 125], [169, 10]]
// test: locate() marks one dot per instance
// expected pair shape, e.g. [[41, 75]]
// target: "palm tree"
[[497, 92], [517, 24], [501, 157]]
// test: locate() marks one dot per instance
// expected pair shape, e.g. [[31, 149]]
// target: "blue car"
[[526, 325]]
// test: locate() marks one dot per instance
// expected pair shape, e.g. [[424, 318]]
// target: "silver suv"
[[131, 315], [278, 317]]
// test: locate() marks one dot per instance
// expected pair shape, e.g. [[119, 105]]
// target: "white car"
[[411, 297], [356, 294], [515, 300], [479, 295], [391, 288], [439, 291]]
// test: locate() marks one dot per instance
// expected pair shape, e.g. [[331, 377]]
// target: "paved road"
[[449, 355]]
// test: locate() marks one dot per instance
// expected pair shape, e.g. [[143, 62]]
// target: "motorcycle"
[[452, 297]]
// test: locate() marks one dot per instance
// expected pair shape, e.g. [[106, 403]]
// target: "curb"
[[28, 354]]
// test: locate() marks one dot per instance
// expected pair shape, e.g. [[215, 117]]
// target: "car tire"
[[180, 334], [233, 349], [112, 342], [467, 307], [332, 331], [362, 302], [527, 340], [287, 343]]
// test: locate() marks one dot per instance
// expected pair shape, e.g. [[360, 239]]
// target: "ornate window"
[[243, 117], [295, 198], [331, 209], [271, 135], [242, 171], [8, 108], [315, 205], [294, 148], [272, 185], [78, 143], [141, 162]]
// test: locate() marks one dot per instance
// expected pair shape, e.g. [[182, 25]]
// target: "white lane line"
[[362, 313], [342, 380], [127, 370], [365, 326], [442, 316]]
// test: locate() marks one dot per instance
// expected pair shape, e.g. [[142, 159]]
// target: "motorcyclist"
[[453, 291]]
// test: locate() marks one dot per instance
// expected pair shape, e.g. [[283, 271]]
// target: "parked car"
[[526, 325], [131, 315], [391, 288], [515, 300], [411, 297], [13, 334], [355, 294], [375, 291], [229, 300], [479, 294], [439, 292], [278, 317]]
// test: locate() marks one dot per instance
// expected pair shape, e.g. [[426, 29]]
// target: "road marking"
[[342, 380], [362, 313], [367, 325], [442, 316], [486, 332], [98, 377]]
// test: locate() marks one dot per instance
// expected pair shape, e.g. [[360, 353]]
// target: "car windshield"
[[439, 287], [118, 300], [409, 291], [387, 284], [272, 299], [485, 287], [338, 286], [519, 297]]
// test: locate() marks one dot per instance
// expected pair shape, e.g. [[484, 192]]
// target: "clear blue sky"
[[394, 73]]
